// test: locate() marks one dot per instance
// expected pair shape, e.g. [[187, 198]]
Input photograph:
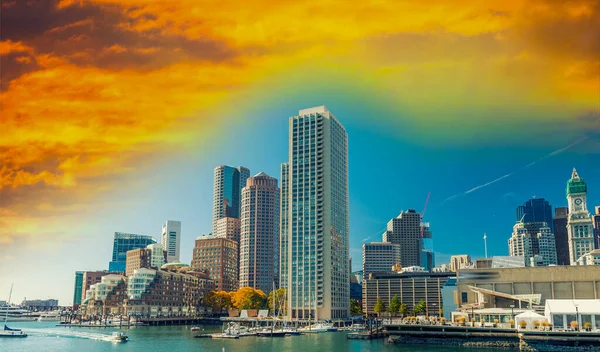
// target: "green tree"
[[355, 308], [394, 305], [420, 308], [379, 307], [278, 300], [403, 309]]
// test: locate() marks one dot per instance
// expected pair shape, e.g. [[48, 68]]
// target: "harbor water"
[[46, 337]]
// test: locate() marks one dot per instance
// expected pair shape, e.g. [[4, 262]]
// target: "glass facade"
[[124, 242], [78, 288], [227, 192], [536, 210], [283, 227]]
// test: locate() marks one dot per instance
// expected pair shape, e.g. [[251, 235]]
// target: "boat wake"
[[70, 334]]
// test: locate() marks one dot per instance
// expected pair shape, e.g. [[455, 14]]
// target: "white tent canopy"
[[529, 317], [561, 312]]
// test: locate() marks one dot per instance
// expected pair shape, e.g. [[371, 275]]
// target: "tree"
[[420, 308], [280, 301], [249, 298], [218, 300], [355, 308], [379, 307], [403, 309], [394, 305]]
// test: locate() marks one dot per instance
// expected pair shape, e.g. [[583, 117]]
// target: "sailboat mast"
[[8, 304]]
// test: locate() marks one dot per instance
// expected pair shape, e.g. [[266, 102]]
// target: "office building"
[[39, 304], [535, 210], [460, 262], [171, 239], [153, 256], [318, 236], [106, 297], [533, 240], [77, 292], [94, 277], [380, 257], [284, 225], [227, 192], [218, 257], [591, 258], [405, 230], [579, 223], [596, 220], [427, 253], [229, 228], [124, 242], [411, 288], [259, 239], [561, 235]]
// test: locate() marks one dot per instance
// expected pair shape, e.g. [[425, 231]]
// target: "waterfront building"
[[153, 256], [317, 252], [535, 210], [39, 304], [579, 224], [596, 220], [591, 258], [531, 240], [229, 228], [449, 298], [405, 230], [171, 239], [227, 192], [259, 239], [561, 235], [219, 257], [94, 277], [106, 297], [380, 257], [411, 288], [561, 312], [124, 242], [77, 292], [460, 262]]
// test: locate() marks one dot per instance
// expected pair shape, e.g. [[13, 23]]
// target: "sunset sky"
[[114, 114]]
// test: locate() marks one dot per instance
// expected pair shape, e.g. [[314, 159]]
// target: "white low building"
[[561, 312]]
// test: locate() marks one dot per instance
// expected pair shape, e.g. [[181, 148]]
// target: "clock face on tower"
[[578, 201]]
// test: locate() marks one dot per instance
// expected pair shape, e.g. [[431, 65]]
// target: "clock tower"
[[579, 224]]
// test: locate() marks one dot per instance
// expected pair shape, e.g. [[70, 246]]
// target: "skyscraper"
[[536, 210], [379, 257], [171, 239], [283, 225], [596, 219], [227, 192], [219, 257], [259, 239], [579, 224], [124, 242], [405, 230], [533, 239], [78, 289], [318, 273], [561, 235]]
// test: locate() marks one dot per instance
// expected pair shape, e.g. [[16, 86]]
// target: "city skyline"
[[115, 116]]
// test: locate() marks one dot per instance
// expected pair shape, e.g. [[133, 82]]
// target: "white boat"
[[118, 337], [8, 332], [356, 327], [50, 316], [13, 314], [316, 328]]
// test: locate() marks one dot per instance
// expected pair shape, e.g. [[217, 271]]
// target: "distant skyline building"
[[596, 220], [318, 272], [561, 235], [78, 290], [124, 242], [227, 192], [229, 228], [579, 224], [153, 256], [536, 210], [218, 257], [458, 262], [171, 239], [427, 253], [259, 239], [533, 240], [405, 230], [380, 257]]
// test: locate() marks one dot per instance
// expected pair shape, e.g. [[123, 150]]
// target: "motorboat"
[[316, 328], [291, 331], [267, 332], [194, 328], [118, 337], [356, 327]]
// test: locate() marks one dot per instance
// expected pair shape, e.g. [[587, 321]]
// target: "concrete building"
[[449, 298], [227, 192], [77, 291], [411, 288], [379, 257], [124, 242], [533, 239], [318, 271], [259, 240], [460, 262], [171, 239], [579, 224], [591, 258], [284, 225], [596, 220], [153, 256], [561, 235], [39, 304], [219, 257], [405, 230], [535, 210], [106, 297], [229, 228], [94, 277]]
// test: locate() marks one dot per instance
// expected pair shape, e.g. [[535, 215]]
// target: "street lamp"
[[577, 315], [512, 312]]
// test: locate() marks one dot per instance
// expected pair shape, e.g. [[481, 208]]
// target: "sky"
[[115, 113]]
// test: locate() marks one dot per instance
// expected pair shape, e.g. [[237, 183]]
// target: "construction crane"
[[425, 207]]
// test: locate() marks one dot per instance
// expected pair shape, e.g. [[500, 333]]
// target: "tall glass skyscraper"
[[227, 192], [124, 242], [78, 287], [283, 225], [536, 210], [317, 253]]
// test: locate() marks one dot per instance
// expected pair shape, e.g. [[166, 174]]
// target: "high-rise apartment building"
[[124, 242], [318, 273], [229, 228], [596, 220], [458, 262], [227, 192], [78, 291], [219, 257], [561, 235], [259, 240], [380, 257], [579, 224], [171, 239], [531, 240], [535, 210], [283, 225], [405, 230]]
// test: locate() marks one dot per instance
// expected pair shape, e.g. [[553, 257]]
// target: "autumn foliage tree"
[[219, 300], [249, 298]]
